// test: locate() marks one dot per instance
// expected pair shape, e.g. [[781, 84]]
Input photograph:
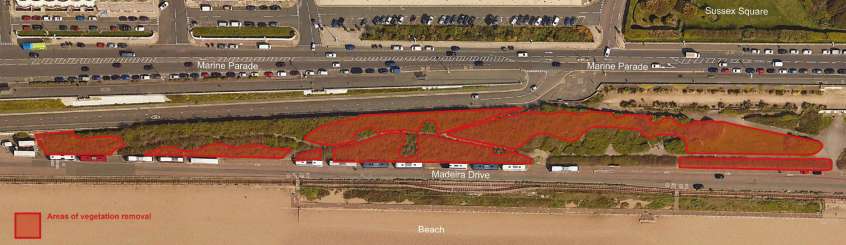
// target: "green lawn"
[[477, 33], [87, 33], [12, 106], [244, 32], [676, 20]]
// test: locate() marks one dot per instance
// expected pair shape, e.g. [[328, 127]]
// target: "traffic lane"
[[111, 118], [135, 66], [638, 176], [359, 81], [307, 11]]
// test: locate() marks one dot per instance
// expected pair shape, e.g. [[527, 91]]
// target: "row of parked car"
[[236, 23], [545, 20], [806, 51], [120, 27], [761, 70]]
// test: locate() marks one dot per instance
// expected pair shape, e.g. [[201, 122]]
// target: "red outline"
[[416, 128], [229, 149], [677, 130], [422, 139], [683, 163], [118, 143], [16, 225]]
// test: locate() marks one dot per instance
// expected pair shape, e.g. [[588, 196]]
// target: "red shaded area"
[[429, 149], [309, 155], [28, 225], [347, 130], [221, 150], [69, 143], [757, 163], [700, 137]]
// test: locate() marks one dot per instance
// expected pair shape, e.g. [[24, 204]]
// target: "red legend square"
[[28, 225]]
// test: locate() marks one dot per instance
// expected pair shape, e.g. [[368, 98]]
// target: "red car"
[[760, 70], [268, 74], [726, 70], [101, 45], [25, 18], [204, 74]]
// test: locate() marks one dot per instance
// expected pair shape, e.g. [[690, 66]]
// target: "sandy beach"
[[191, 214]]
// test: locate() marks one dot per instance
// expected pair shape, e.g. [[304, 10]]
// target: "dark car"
[[369, 70], [122, 18], [115, 77], [478, 63], [390, 63], [713, 69], [251, 7], [122, 45], [698, 186], [116, 65], [135, 77], [828, 71], [132, 18], [59, 79], [484, 166], [383, 70], [375, 165], [33, 55], [294, 72], [454, 48], [231, 74], [188, 64], [782, 51], [556, 64], [84, 68], [143, 18], [280, 64], [450, 53], [148, 67], [719, 176], [356, 70]]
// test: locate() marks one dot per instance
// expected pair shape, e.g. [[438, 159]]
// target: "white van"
[[408, 165], [171, 159], [205, 7], [458, 166], [234, 23], [416, 47], [263, 45], [778, 63], [514, 168], [222, 23], [313, 163], [522, 54], [568, 168]]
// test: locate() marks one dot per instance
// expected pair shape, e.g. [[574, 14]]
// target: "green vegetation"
[[244, 32], [429, 128], [12, 106], [21, 136], [211, 98], [785, 21], [86, 33], [410, 146], [749, 205], [287, 132], [313, 193], [595, 142], [631, 160], [477, 33], [810, 121], [673, 145], [365, 134], [545, 199]]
